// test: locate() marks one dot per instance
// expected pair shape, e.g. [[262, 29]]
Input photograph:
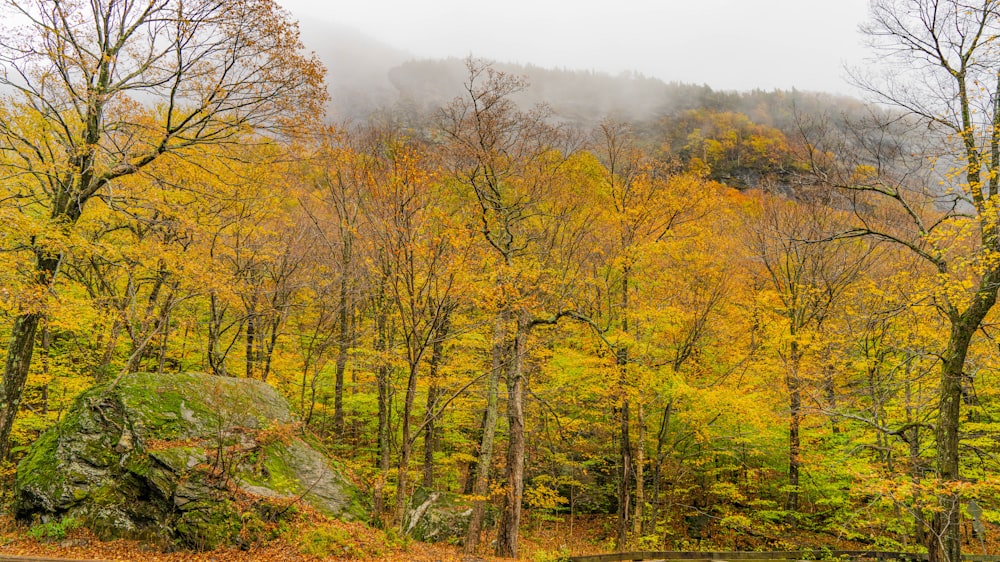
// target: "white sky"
[[727, 44]]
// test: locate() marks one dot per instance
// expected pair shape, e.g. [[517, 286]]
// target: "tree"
[[105, 89], [528, 217], [492, 143], [809, 277], [728, 146], [340, 183], [130, 271], [891, 387], [419, 255], [945, 77], [645, 204]]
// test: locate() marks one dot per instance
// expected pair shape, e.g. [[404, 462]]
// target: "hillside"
[[516, 309], [365, 75]]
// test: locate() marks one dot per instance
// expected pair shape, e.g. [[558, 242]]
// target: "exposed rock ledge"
[[183, 457]]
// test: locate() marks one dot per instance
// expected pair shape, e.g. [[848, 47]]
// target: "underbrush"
[[311, 537]]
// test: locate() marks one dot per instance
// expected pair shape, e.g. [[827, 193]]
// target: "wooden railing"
[[780, 555], [12, 558]]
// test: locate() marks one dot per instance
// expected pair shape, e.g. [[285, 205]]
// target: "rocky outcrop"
[[186, 458], [436, 516]]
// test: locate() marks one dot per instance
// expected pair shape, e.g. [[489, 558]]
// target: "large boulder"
[[435, 516], [189, 458]]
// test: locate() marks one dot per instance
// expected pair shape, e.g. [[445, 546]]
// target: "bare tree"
[[944, 72]]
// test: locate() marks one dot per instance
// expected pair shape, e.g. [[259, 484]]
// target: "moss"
[[280, 476], [98, 451], [186, 404], [163, 481], [137, 463], [209, 524], [37, 468], [163, 406], [130, 461], [105, 495], [54, 530], [179, 458], [357, 509], [329, 540]]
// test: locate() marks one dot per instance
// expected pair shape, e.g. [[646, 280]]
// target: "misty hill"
[[575, 96], [357, 68], [366, 75], [751, 136]]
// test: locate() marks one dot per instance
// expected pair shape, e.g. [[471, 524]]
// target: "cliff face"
[[190, 458]]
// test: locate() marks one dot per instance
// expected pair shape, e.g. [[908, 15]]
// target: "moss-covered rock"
[[436, 516], [177, 458]]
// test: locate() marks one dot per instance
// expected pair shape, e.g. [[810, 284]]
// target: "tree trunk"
[[250, 342], [19, 351], [46, 345], [625, 450], [915, 470], [384, 460], [481, 484], [343, 346], [382, 381], [661, 453], [266, 355], [22, 344], [216, 357], [510, 521], [624, 475], [161, 356], [920, 518], [430, 437], [793, 384], [430, 428], [830, 392], [471, 467], [640, 460], [302, 392], [945, 524], [109, 349], [944, 533], [406, 444]]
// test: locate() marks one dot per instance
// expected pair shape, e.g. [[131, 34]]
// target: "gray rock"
[[435, 516], [175, 458]]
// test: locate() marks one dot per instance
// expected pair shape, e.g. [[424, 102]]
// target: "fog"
[[726, 44], [365, 75]]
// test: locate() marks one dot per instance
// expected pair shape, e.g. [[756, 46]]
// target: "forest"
[[739, 321]]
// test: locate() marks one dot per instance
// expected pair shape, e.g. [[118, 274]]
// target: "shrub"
[[54, 530]]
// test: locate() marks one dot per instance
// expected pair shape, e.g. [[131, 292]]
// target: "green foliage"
[[561, 555], [665, 305], [394, 539], [326, 540], [649, 542], [54, 530], [543, 494]]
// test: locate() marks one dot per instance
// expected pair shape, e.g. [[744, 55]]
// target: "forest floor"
[[541, 541], [337, 540]]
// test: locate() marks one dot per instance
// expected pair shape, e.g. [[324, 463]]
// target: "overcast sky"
[[727, 44]]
